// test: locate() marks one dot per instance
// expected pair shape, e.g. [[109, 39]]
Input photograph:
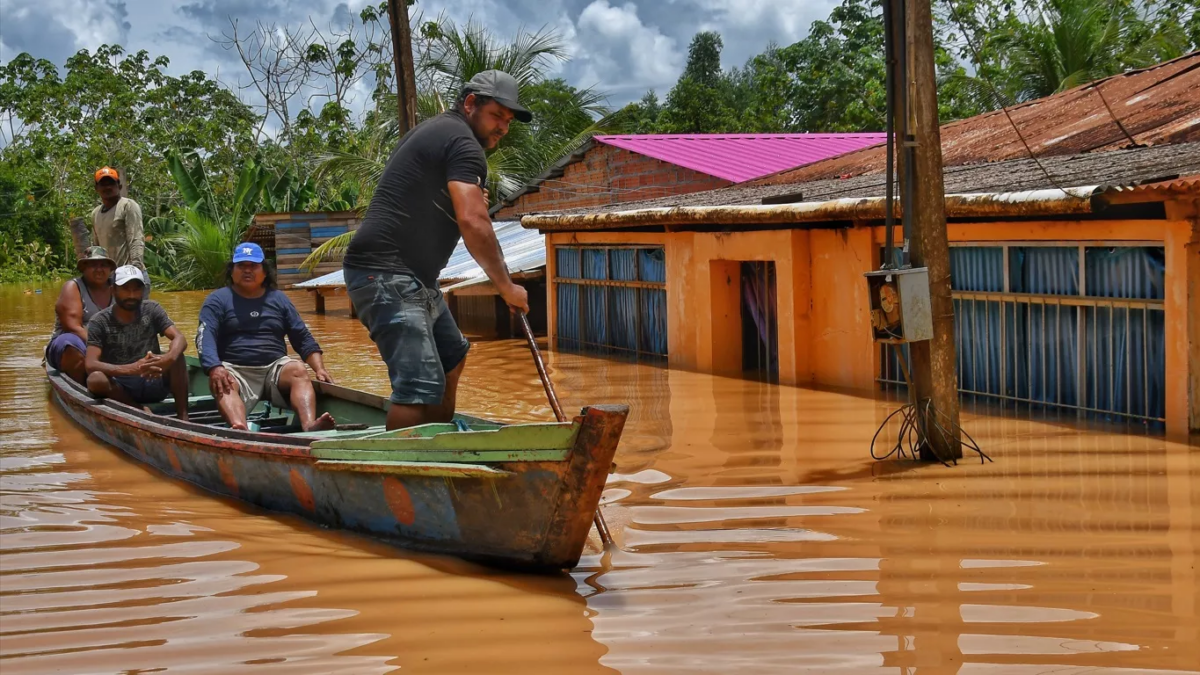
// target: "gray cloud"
[[622, 47], [56, 29]]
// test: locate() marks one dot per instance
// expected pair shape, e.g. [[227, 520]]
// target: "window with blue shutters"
[[611, 300]]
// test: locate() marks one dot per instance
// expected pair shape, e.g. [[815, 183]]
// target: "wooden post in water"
[[598, 519], [934, 364], [406, 79]]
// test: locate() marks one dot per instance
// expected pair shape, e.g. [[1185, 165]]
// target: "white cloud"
[[620, 53], [786, 21]]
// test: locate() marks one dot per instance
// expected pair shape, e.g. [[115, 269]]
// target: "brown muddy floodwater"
[[756, 536]]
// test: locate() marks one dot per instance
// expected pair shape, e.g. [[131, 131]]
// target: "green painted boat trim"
[[454, 456], [445, 437], [435, 469]]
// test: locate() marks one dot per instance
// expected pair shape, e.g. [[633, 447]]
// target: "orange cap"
[[107, 172]]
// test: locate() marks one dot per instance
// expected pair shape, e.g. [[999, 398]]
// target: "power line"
[[1114, 117], [1001, 99]]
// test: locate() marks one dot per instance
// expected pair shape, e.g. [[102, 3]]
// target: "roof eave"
[[1051, 202]]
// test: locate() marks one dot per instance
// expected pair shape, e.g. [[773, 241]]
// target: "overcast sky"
[[620, 47]]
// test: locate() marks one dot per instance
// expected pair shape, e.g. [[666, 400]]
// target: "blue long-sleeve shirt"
[[249, 331]]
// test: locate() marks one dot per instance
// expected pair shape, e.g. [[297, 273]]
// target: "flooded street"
[[755, 535]]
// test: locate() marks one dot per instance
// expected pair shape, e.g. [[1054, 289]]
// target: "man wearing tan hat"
[[118, 222], [80, 299]]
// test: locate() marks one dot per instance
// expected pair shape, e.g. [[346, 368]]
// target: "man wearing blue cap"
[[240, 340]]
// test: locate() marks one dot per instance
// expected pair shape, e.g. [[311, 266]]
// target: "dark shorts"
[[59, 345], [145, 390], [413, 329]]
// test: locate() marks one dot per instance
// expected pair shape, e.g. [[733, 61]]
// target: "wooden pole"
[[934, 365], [601, 526], [406, 79]]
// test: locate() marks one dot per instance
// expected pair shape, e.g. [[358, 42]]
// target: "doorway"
[[760, 321]]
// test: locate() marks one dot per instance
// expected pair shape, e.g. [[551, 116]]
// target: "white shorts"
[[256, 383]]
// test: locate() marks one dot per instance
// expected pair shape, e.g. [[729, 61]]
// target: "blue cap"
[[248, 251]]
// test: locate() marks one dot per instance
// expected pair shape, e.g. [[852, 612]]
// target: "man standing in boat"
[[118, 223], [240, 340], [118, 337], [431, 194], [79, 300]]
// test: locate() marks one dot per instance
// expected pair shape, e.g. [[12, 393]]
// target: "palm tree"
[[564, 117], [1071, 42]]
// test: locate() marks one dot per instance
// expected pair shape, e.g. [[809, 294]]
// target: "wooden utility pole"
[[934, 363], [406, 79]]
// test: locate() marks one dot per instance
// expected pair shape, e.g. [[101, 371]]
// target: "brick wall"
[[610, 175]]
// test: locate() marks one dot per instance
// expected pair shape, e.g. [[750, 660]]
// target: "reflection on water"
[[755, 535]]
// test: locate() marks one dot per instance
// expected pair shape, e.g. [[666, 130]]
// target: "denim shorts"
[[145, 389], [413, 329]]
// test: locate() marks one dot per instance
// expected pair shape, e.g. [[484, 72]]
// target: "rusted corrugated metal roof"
[[1165, 187], [1158, 105]]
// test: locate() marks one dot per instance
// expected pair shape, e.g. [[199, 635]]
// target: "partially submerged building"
[[1076, 277]]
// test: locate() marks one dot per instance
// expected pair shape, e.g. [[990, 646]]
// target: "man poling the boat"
[[240, 340], [79, 300], [430, 195], [117, 338]]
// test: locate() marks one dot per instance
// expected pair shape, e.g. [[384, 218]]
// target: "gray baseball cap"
[[503, 87]]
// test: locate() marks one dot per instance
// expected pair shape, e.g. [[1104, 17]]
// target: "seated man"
[[240, 340], [79, 300], [120, 335]]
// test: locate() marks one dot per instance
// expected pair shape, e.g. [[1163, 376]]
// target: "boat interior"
[[358, 413]]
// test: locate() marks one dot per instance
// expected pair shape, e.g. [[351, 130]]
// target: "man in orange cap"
[[118, 222]]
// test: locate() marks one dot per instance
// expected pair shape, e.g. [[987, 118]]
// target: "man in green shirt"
[[118, 222]]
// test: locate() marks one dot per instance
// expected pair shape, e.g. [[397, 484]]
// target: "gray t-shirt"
[[124, 343]]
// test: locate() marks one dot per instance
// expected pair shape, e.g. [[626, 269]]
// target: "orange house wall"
[[824, 336]]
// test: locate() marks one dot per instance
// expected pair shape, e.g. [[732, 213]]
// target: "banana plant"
[[196, 189]]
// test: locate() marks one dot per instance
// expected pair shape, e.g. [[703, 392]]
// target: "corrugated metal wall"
[[612, 299], [1071, 326]]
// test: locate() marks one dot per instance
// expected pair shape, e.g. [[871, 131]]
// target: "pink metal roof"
[[739, 157]]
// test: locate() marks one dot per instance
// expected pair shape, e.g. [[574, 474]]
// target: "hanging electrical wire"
[[918, 421], [912, 438]]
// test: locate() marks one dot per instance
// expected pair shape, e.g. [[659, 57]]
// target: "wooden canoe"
[[517, 496]]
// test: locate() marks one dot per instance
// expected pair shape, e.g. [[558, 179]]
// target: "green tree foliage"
[[837, 72], [32, 237], [192, 247], [118, 109], [564, 117], [1026, 50], [707, 99]]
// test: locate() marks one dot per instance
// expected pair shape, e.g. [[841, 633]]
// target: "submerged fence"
[[611, 300], [1073, 327]]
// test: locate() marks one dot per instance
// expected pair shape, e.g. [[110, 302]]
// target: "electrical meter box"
[[900, 307]]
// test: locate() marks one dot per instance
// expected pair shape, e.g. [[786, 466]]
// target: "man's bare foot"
[[322, 423]]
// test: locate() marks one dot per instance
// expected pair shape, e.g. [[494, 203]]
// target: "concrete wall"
[[824, 335], [609, 175]]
